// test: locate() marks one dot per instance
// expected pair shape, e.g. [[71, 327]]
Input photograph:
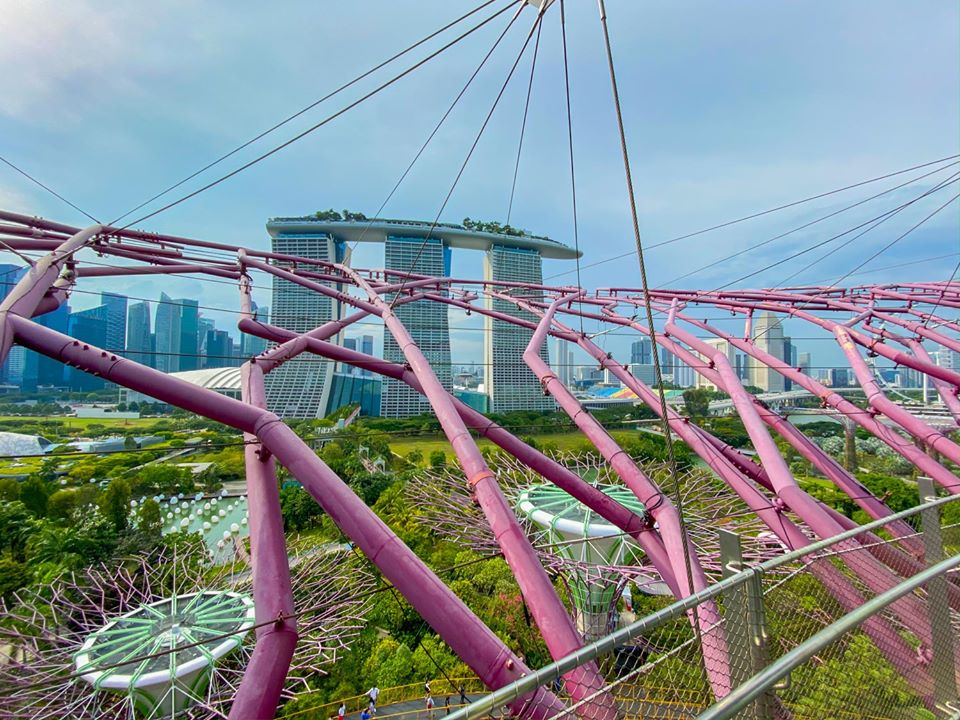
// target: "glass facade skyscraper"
[[300, 388]]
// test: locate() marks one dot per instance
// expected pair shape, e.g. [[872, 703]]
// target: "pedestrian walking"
[[463, 695], [373, 693], [342, 711], [365, 714], [429, 704], [446, 705]]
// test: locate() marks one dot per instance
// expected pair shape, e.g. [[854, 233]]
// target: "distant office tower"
[[189, 334], [88, 326], [10, 275], [139, 342], [644, 372], [116, 306], [14, 367], [366, 347], [166, 329], [348, 344], [204, 325], [728, 350], [300, 388], [767, 336], [803, 362], [425, 320], [219, 347], [838, 377], [250, 345], [39, 370], [641, 352], [561, 365], [789, 357], [510, 383]]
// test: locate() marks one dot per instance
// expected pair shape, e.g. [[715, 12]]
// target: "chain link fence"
[[862, 625]]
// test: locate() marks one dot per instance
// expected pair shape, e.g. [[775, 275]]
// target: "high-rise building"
[[509, 382], [88, 326], [251, 345], [300, 388], [166, 329], [139, 342], [39, 370], [425, 320], [641, 352], [116, 306], [189, 334], [366, 347], [767, 336], [10, 275], [561, 366], [728, 350], [219, 349], [803, 362]]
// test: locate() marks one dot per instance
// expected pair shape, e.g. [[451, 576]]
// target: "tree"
[[16, 527], [130, 442], [9, 489], [438, 459], [115, 503], [13, 576], [697, 402], [414, 457], [33, 494], [298, 509], [151, 519]]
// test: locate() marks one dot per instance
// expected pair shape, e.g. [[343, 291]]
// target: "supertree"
[[596, 561], [165, 633]]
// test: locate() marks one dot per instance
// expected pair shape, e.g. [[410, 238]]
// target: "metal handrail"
[[766, 678], [606, 644]]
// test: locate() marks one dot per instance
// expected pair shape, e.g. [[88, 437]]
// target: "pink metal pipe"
[[827, 465], [567, 480], [263, 679], [874, 575], [264, 676], [463, 631], [682, 557], [875, 396], [947, 392], [910, 452], [557, 628], [29, 292]]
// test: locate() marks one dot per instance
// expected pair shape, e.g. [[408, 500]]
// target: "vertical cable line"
[[664, 417], [50, 190], [466, 160], [523, 124], [573, 175], [323, 122], [436, 129], [306, 109]]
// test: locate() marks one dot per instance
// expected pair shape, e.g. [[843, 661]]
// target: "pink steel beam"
[[680, 553], [605, 506], [463, 631], [259, 691], [880, 402], [556, 626], [875, 576]]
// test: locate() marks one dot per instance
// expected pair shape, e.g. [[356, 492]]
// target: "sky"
[[730, 109]]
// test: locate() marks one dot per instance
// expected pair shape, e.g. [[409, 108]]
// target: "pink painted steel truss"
[[888, 321]]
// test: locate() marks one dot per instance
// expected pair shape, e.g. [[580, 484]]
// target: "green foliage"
[[299, 510], [162, 478], [697, 402], [34, 492], [9, 489], [16, 527], [115, 503], [494, 227], [438, 459], [151, 519], [13, 576]]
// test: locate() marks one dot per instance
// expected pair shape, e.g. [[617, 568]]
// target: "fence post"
[[746, 629], [942, 665]]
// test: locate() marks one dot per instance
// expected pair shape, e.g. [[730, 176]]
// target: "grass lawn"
[[562, 441], [75, 423]]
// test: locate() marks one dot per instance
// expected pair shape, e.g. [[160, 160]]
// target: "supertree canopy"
[[165, 635]]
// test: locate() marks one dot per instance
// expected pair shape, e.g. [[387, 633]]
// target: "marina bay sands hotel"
[[306, 386]]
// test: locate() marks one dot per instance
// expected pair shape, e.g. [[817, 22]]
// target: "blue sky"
[[730, 108]]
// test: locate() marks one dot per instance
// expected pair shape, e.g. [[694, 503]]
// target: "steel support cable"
[[664, 414], [320, 124], [443, 119], [306, 109], [765, 212], [805, 302], [466, 160], [869, 225], [523, 123], [48, 189], [805, 225], [573, 175]]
